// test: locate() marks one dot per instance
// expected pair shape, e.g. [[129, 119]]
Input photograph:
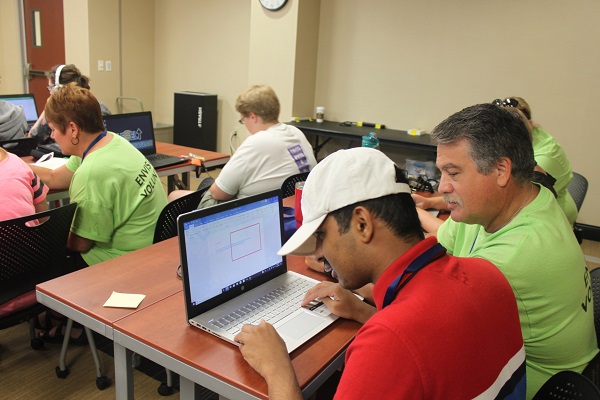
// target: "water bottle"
[[370, 141]]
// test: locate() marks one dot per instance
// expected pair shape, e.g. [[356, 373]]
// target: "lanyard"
[[100, 136], [433, 253]]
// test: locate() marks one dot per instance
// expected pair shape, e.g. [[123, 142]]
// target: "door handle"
[[29, 73]]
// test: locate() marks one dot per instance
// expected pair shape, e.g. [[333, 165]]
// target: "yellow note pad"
[[124, 300]]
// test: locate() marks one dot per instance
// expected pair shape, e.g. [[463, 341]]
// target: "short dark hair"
[[397, 211], [492, 133]]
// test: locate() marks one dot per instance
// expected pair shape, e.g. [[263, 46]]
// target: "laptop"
[[27, 101], [231, 272], [21, 147], [138, 129]]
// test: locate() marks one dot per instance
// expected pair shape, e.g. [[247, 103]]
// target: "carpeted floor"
[[30, 374]]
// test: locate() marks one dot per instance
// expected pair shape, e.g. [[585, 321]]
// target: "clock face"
[[273, 5]]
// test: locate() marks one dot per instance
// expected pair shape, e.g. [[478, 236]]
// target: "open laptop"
[[231, 271], [27, 101], [138, 129]]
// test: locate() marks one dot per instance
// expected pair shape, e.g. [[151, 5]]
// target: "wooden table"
[[162, 334], [158, 329], [211, 159]]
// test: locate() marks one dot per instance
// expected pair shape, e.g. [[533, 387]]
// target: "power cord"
[[231, 136]]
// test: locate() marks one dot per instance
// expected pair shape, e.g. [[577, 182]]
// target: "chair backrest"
[[568, 385], [288, 187], [166, 227], [578, 188], [33, 254], [21, 147], [595, 276]]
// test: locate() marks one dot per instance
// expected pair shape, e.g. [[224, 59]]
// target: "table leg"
[[123, 373]]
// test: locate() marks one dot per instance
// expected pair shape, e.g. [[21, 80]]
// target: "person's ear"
[[503, 171], [362, 221]]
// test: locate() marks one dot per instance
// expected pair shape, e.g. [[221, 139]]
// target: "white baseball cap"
[[342, 178]]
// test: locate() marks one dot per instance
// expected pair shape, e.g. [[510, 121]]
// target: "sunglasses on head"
[[510, 102]]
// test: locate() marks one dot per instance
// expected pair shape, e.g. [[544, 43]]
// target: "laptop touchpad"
[[300, 325]]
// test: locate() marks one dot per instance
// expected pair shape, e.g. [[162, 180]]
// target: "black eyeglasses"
[[241, 121], [510, 102]]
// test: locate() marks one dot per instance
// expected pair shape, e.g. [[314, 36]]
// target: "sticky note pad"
[[124, 300]]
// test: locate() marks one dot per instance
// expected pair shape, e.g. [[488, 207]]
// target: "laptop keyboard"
[[272, 307], [157, 156]]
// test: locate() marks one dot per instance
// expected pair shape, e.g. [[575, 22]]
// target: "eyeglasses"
[[241, 121], [510, 102]]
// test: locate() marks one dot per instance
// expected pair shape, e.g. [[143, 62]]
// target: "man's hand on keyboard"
[[265, 351], [340, 302]]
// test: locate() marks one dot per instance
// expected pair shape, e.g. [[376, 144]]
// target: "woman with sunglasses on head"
[[550, 156], [60, 75]]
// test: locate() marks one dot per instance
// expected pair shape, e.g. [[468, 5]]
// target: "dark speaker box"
[[195, 120]]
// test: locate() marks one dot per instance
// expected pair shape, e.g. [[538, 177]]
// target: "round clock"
[[273, 5]]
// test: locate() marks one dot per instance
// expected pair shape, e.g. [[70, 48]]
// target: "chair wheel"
[[165, 390], [102, 382], [37, 343], [62, 374]]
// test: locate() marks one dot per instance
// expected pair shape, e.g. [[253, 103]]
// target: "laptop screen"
[[137, 128], [231, 248], [27, 101]]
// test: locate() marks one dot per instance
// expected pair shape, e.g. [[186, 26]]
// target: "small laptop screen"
[[26, 101], [135, 127], [227, 249]]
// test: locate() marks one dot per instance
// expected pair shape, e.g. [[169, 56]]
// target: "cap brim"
[[302, 242]]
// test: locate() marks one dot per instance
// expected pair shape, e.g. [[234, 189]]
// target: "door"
[[44, 43]]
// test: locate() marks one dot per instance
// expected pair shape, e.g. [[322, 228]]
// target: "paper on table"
[[52, 163], [124, 300], [435, 213]]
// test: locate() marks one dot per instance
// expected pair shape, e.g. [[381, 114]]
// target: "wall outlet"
[[100, 65], [108, 65]]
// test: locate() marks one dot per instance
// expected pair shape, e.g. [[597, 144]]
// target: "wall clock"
[[273, 5]]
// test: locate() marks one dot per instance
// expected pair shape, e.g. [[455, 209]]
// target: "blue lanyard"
[[433, 253], [99, 138]]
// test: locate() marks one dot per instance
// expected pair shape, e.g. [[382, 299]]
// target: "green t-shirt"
[[119, 198], [553, 159], [540, 257]]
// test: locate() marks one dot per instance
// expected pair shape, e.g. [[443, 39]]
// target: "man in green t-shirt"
[[497, 213]]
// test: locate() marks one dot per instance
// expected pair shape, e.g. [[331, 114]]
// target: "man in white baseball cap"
[[445, 327]]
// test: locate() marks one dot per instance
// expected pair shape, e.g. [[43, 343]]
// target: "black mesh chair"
[[166, 228], [288, 187], [21, 147], [31, 255], [568, 385], [595, 275], [578, 189]]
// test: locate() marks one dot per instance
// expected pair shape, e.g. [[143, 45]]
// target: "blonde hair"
[[260, 100], [3, 153]]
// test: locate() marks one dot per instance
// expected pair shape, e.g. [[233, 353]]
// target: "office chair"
[[33, 254], [288, 187], [595, 276], [578, 188], [567, 385], [20, 147], [166, 228], [592, 371]]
